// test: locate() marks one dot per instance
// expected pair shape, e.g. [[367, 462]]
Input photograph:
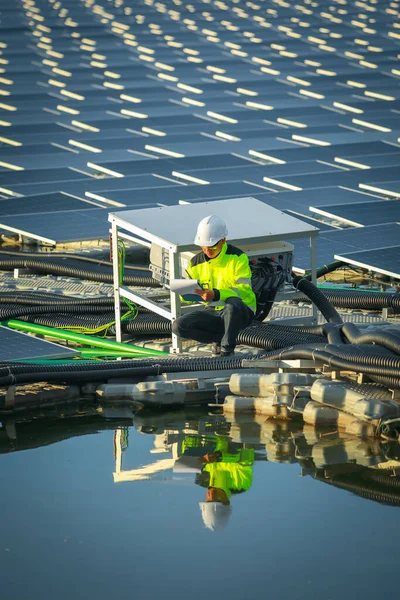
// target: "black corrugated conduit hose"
[[75, 372], [52, 268], [364, 300], [355, 298], [360, 357], [14, 313], [139, 253], [296, 352], [333, 266], [24, 373], [382, 338], [83, 321], [270, 337], [157, 323], [16, 300], [258, 335], [318, 298]]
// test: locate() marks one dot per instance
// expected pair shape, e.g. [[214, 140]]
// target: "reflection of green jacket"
[[234, 473], [230, 476], [201, 441]]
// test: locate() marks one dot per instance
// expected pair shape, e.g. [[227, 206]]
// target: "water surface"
[[99, 508]]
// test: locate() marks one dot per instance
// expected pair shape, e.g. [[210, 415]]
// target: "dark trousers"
[[210, 325]]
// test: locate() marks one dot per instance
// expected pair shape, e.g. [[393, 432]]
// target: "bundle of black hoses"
[[12, 374], [68, 267], [310, 343], [366, 300], [135, 254]]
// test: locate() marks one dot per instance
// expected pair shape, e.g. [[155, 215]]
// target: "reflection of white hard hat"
[[210, 230], [215, 515]]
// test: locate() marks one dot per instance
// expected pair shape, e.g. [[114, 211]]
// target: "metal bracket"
[[10, 397]]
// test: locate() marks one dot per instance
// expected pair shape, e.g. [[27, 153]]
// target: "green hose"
[[81, 339], [91, 353], [323, 286]]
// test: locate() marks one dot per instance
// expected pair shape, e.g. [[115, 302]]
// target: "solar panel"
[[15, 345], [93, 184], [56, 227], [386, 189], [331, 243], [365, 148], [345, 178], [362, 213], [17, 178], [29, 205], [306, 219], [381, 260]]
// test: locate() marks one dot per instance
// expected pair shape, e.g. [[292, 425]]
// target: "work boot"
[[216, 350]]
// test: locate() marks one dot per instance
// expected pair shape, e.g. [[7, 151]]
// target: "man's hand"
[[206, 295]]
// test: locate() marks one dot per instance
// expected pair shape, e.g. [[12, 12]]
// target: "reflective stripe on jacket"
[[228, 274]]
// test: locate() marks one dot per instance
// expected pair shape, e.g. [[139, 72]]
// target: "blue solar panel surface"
[[381, 260], [363, 213], [345, 240], [292, 104], [15, 345]]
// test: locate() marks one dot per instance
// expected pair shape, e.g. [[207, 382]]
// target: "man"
[[229, 472], [224, 275]]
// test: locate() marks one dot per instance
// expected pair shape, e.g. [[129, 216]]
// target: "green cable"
[[81, 339], [121, 260]]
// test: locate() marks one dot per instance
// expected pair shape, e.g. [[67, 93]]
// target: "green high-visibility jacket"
[[228, 274]]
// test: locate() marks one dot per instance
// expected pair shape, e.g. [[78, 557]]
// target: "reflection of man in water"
[[227, 470]]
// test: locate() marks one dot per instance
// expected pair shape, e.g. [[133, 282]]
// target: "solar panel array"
[[16, 345], [141, 103]]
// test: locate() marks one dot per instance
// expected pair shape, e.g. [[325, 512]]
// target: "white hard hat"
[[215, 515], [210, 230]]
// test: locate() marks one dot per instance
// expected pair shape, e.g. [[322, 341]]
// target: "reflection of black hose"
[[319, 299], [382, 477], [372, 491], [55, 268]]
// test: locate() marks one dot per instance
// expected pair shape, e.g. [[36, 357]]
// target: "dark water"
[[104, 508]]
